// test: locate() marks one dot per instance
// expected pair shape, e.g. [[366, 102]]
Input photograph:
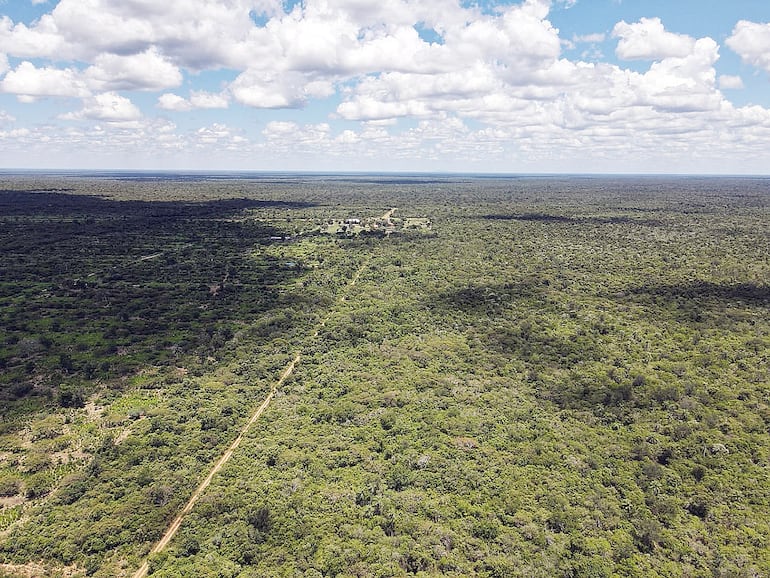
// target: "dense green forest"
[[561, 377]]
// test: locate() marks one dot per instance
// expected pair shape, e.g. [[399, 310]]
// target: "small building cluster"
[[385, 225]]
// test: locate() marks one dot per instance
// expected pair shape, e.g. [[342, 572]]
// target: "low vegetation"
[[565, 377]]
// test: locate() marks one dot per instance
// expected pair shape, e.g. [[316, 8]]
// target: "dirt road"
[[225, 457]]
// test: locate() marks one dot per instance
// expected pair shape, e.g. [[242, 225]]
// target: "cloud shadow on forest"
[[750, 293], [487, 297], [60, 201], [693, 299], [97, 288], [554, 219], [747, 293]]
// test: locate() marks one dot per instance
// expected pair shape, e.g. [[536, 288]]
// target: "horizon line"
[[410, 173]]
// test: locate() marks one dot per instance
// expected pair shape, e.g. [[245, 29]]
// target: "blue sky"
[[614, 86]]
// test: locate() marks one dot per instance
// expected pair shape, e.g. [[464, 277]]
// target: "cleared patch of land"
[[382, 226]]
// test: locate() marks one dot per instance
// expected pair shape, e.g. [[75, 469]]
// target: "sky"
[[527, 86]]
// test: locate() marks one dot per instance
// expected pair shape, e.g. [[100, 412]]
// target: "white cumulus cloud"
[[751, 40], [730, 82], [148, 70], [649, 40], [15, 134], [492, 84], [169, 101], [278, 129], [219, 136], [42, 40], [214, 133], [272, 89], [685, 83], [203, 99], [29, 81], [290, 136], [107, 106], [199, 33], [198, 99]]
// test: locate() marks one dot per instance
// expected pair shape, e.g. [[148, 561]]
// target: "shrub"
[[9, 486]]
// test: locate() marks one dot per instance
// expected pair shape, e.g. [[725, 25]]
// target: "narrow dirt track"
[[225, 457]]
